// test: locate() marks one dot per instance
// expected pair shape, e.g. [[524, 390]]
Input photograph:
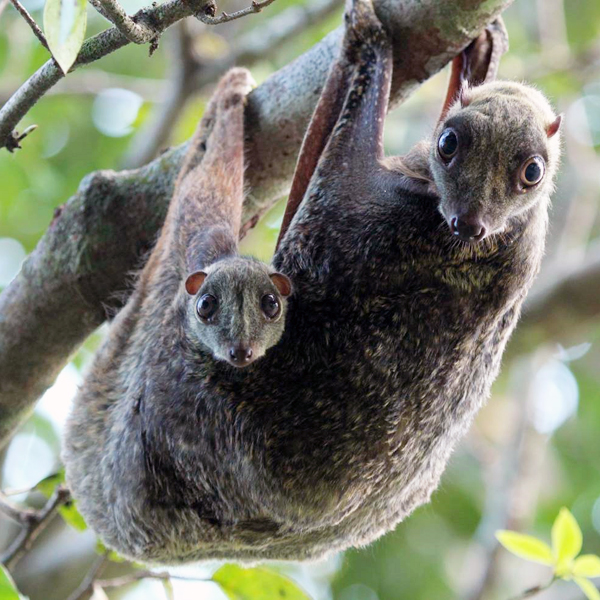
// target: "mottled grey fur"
[[393, 337]]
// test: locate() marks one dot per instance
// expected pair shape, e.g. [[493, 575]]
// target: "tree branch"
[[100, 235], [160, 17], [138, 33], [33, 523], [561, 304], [31, 22], [190, 75], [98, 565], [15, 513], [255, 7]]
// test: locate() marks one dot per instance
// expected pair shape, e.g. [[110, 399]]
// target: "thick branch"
[[85, 257], [259, 44], [561, 305]]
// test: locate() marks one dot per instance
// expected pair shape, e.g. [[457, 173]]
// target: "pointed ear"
[[194, 282], [554, 126], [282, 283]]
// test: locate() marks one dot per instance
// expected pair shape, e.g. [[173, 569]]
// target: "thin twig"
[[34, 523], [30, 21], [86, 585], [15, 138], [161, 17], [224, 17], [13, 512], [138, 33], [144, 574]]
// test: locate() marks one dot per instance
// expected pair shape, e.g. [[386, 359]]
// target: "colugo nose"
[[468, 228], [240, 355]]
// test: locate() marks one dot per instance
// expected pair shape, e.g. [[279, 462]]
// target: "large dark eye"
[[206, 307], [448, 144], [532, 171], [270, 306]]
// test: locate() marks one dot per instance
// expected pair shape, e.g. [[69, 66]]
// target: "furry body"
[[393, 338]]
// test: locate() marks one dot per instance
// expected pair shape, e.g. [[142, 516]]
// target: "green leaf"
[[566, 539], [526, 546], [111, 554], [72, 516], [256, 584], [65, 22], [587, 565], [67, 511], [47, 485], [588, 588], [8, 590], [168, 585]]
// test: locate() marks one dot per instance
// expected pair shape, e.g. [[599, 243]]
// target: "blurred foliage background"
[[536, 445]]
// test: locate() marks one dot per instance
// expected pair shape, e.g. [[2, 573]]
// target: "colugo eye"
[[532, 171], [448, 144], [206, 307], [270, 306]]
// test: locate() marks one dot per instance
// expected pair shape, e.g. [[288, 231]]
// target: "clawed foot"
[[233, 88], [482, 55], [363, 27]]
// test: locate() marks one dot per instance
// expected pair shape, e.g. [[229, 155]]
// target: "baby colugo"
[[238, 310], [234, 306]]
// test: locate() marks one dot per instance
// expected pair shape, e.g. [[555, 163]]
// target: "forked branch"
[[224, 17], [32, 523]]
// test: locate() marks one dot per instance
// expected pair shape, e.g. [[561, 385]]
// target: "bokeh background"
[[533, 449]]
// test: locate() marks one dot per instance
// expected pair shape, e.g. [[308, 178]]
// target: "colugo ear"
[[194, 282], [282, 283], [554, 126]]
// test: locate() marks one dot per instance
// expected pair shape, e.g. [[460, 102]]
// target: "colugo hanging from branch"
[[408, 278]]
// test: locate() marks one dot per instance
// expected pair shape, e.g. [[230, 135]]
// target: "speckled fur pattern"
[[394, 335]]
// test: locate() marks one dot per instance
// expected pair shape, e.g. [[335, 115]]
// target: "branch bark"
[[138, 33], [255, 7], [190, 75], [561, 305], [101, 233], [32, 522]]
